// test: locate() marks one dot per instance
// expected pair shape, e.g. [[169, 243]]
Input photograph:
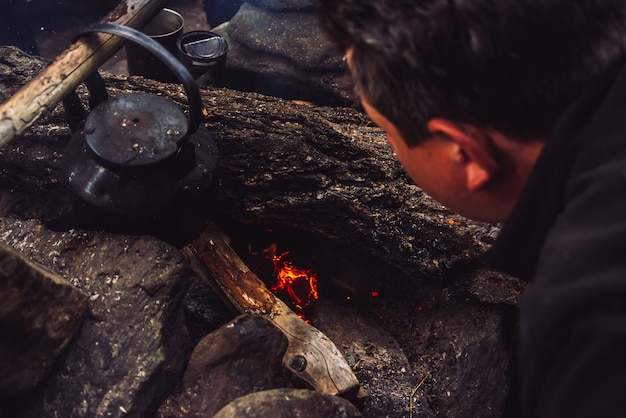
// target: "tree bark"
[[327, 171]]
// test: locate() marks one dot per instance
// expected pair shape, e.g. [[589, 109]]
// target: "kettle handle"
[[181, 72]]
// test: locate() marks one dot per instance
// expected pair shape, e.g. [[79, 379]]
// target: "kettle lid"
[[135, 129]]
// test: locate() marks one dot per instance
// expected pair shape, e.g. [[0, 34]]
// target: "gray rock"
[[242, 357], [377, 359], [133, 344], [39, 314], [287, 403], [461, 348]]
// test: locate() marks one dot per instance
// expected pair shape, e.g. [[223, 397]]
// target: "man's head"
[[482, 74]]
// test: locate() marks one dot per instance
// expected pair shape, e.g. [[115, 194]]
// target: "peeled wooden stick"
[[70, 69]]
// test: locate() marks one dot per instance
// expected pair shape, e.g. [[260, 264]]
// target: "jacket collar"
[[519, 243]]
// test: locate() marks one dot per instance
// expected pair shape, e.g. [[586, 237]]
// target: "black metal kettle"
[[136, 164]]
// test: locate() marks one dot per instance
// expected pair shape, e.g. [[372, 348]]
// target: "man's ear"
[[474, 150]]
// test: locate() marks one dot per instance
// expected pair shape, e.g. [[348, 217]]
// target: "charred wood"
[[323, 170]]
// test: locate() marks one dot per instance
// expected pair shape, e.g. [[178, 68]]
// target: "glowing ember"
[[298, 286]]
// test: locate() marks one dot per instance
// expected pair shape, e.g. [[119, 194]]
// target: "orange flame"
[[298, 285]]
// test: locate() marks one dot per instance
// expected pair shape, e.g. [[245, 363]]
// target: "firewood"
[[320, 170]]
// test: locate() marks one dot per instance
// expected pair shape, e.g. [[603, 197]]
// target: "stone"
[[133, 344], [283, 54], [205, 311], [39, 314], [321, 172], [241, 357], [295, 35], [287, 403]]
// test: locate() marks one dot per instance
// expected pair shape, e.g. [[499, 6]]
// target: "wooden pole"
[[71, 68]]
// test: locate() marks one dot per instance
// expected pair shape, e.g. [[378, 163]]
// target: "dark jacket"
[[567, 235]]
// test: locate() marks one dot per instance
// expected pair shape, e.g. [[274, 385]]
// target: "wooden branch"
[[311, 356], [70, 69]]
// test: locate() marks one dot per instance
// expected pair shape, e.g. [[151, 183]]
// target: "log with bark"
[[327, 171]]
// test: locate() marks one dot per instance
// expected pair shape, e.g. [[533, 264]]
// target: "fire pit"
[[420, 309]]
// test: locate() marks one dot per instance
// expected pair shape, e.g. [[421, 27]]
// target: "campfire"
[[294, 285], [298, 285], [387, 286]]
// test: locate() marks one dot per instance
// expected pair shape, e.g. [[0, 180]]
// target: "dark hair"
[[511, 65]]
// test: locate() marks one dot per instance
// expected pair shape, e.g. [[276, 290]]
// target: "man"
[[515, 111]]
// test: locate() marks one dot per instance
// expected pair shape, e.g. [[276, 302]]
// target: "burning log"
[[297, 285], [311, 356], [322, 170]]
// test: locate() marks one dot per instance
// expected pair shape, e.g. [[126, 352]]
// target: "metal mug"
[[165, 28], [204, 54]]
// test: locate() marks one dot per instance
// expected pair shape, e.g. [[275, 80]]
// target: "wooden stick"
[[311, 356], [213, 259], [71, 68]]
